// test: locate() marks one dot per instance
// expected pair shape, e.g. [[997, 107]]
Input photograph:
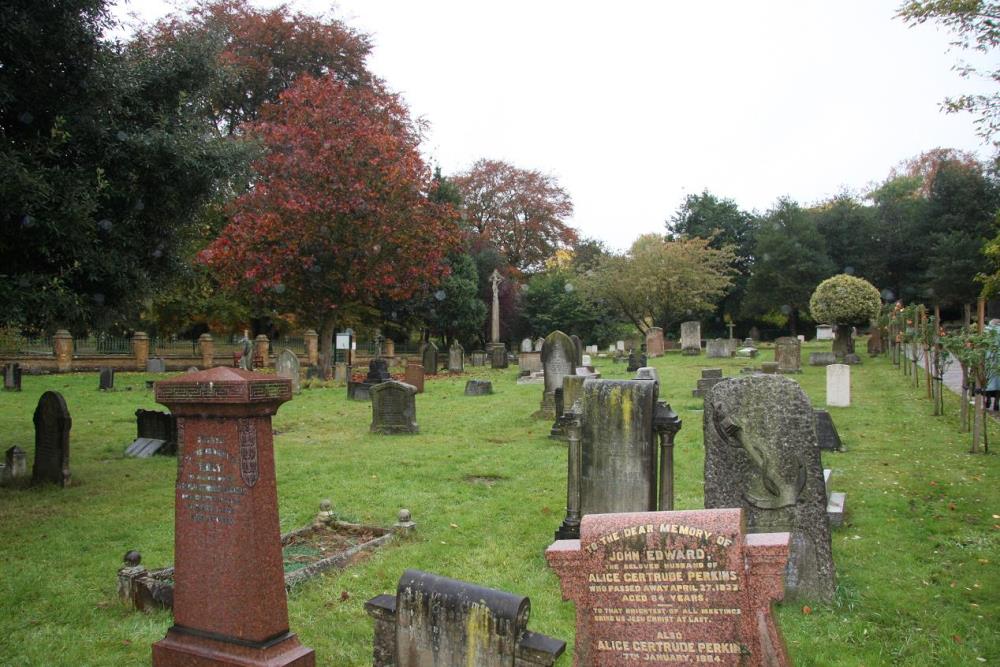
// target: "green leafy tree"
[[850, 229], [846, 301], [455, 311]]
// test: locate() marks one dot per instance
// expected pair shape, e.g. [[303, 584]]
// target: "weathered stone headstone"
[[15, 466], [654, 342], [578, 345], [824, 332], [826, 431], [788, 354], [620, 345], [591, 349], [156, 365], [12, 377], [754, 334], [529, 362], [394, 408], [691, 338], [822, 358], [761, 454], [838, 385], [52, 426], [498, 357], [415, 376], [478, 357], [648, 373], [769, 367], [539, 343], [566, 396], [287, 366], [636, 361], [156, 433], [430, 358], [874, 343], [709, 378], [526, 345], [558, 357], [673, 587], [478, 388], [106, 380], [229, 587], [587, 362], [433, 621], [717, 348], [456, 358]]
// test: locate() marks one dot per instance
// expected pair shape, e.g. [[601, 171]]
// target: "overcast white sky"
[[634, 105]]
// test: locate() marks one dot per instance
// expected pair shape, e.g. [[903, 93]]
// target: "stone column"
[[570, 528], [312, 346], [260, 350], [207, 347], [388, 348], [496, 279], [140, 349], [62, 342], [666, 424], [230, 606]]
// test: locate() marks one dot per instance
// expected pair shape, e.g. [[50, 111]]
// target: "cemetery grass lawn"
[[917, 559]]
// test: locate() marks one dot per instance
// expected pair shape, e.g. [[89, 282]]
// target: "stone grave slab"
[[558, 357], [15, 466], [717, 348], [824, 332], [690, 338], [415, 376], [287, 366], [478, 357], [52, 427], [822, 358], [106, 379], [838, 385], [636, 361], [539, 343], [648, 373], [456, 358], [761, 455], [654, 342], [156, 433], [394, 408], [826, 431], [430, 358], [673, 587], [478, 388], [530, 361], [578, 346], [709, 378], [788, 354], [12, 377], [156, 365], [527, 345], [434, 621], [498, 357]]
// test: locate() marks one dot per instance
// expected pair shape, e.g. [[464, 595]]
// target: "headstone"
[[620, 345], [709, 378], [673, 587], [341, 371], [826, 431], [578, 345], [717, 348], [229, 586], [636, 361], [529, 362], [52, 426], [478, 388], [433, 621], [852, 359], [156, 433], [747, 352], [12, 377], [587, 362], [691, 338], [394, 408], [430, 358], [192, 369], [566, 396], [415, 376], [761, 454], [156, 365], [107, 379], [526, 345], [801, 338], [822, 358], [648, 373], [838, 385], [378, 371], [15, 465], [754, 333], [558, 357], [824, 332], [498, 357], [539, 343], [287, 366], [769, 367], [788, 354], [456, 358], [592, 349], [654, 342], [478, 358]]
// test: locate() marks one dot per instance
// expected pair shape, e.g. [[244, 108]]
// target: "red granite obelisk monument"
[[229, 586]]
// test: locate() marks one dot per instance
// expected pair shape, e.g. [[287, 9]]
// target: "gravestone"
[[648, 373], [394, 408], [761, 454], [156, 433], [824, 332], [654, 342], [769, 367], [620, 345], [673, 587], [826, 431], [717, 348], [156, 365], [874, 344], [478, 357], [415, 376], [578, 345], [566, 396], [558, 360], [106, 380], [636, 361], [478, 388], [709, 378], [498, 357], [587, 362], [15, 467], [691, 338], [526, 345], [287, 366], [753, 334], [434, 621], [52, 426], [838, 386], [12, 377], [230, 606], [430, 358], [788, 354], [822, 358], [529, 362], [591, 349], [539, 344], [378, 371], [456, 358]]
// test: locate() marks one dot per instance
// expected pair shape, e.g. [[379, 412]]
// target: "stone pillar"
[[140, 349], [261, 353], [207, 347], [230, 606], [62, 342], [388, 348], [312, 346]]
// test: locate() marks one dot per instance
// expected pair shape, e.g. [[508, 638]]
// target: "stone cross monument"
[[495, 279]]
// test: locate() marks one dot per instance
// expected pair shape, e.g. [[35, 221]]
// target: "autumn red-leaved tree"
[[519, 212], [339, 216]]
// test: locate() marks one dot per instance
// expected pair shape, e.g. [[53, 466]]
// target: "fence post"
[[312, 346], [62, 343], [140, 349], [207, 347], [261, 352]]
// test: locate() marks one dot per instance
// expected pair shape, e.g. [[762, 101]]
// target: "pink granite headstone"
[[673, 587]]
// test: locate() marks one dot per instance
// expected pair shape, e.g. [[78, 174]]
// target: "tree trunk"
[[843, 341], [326, 350], [793, 322]]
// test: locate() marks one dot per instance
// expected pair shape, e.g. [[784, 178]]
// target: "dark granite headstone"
[[52, 426], [107, 379], [156, 433], [558, 360], [636, 360], [478, 388], [378, 371], [761, 454], [12, 377], [156, 365], [287, 366], [578, 344], [456, 358], [430, 358], [433, 621], [826, 431], [394, 408]]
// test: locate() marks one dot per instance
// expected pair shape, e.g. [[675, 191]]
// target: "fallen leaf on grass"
[[951, 506], [344, 596], [956, 639], [453, 525], [807, 610]]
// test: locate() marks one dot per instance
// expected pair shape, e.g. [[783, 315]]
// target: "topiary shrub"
[[845, 301]]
